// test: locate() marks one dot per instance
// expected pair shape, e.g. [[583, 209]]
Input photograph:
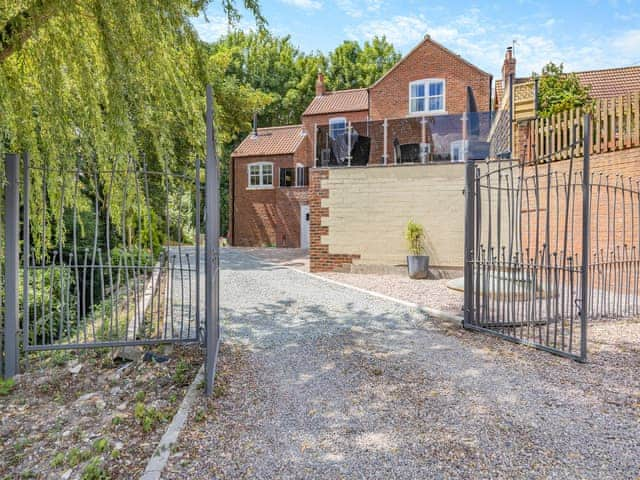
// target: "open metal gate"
[[527, 251], [92, 271]]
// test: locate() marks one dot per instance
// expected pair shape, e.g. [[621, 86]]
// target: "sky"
[[583, 34]]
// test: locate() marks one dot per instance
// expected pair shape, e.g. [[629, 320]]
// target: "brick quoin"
[[320, 259]]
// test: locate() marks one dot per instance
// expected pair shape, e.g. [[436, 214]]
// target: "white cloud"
[[305, 4], [400, 30], [481, 40], [627, 44], [357, 8], [217, 26]]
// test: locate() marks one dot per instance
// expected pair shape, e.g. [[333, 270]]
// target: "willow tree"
[[105, 82]]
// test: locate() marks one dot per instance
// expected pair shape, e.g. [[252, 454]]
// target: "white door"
[[305, 222]]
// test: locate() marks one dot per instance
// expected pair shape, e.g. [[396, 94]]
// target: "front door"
[[304, 226]]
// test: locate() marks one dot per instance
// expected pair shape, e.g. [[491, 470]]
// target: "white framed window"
[[337, 127], [260, 175], [427, 96]]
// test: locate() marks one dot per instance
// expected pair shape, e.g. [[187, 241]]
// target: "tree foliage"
[[559, 91], [353, 66], [100, 83]]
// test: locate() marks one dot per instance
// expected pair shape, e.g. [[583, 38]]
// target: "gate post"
[[212, 206], [586, 232], [469, 197], [11, 207]]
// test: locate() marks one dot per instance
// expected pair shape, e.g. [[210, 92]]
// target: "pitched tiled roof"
[[271, 141], [612, 81], [339, 101], [606, 83]]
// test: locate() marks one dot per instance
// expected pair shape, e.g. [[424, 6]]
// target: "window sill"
[[261, 187]]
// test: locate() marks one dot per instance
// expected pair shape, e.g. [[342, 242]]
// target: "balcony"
[[433, 139]]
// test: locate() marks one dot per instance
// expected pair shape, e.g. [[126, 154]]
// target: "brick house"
[[394, 121]]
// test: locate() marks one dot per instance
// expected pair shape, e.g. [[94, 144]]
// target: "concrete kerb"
[[160, 457]]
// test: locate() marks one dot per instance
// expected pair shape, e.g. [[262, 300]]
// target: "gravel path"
[[317, 381]]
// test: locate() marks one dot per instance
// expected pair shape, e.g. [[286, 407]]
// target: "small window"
[[287, 177], [302, 176], [427, 96], [260, 175], [337, 127]]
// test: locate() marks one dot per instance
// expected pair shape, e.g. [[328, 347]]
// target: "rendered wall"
[[364, 212]]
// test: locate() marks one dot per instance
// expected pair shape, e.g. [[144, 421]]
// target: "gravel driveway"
[[317, 381]]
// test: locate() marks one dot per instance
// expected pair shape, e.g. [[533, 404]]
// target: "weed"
[[100, 445], [94, 470], [180, 374], [76, 456], [147, 417], [117, 420], [6, 386], [139, 397], [58, 460]]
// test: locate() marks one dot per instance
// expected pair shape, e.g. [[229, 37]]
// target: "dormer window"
[[427, 96]]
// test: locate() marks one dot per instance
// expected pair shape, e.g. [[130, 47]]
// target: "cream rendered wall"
[[369, 208]]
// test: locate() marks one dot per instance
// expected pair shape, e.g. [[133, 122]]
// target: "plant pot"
[[418, 266]]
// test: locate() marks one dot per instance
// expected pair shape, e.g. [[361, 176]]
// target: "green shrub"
[[414, 234]]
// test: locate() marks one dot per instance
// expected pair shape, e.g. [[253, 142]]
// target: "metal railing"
[[549, 246], [108, 257]]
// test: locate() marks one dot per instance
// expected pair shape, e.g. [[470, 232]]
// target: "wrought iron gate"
[[527, 252], [92, 267]]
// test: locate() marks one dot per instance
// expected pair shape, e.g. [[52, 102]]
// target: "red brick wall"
[[390, 97], [606, 228], [264, 217], [319, 257]]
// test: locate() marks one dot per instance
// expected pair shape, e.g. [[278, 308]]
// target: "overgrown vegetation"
[[559, 91]]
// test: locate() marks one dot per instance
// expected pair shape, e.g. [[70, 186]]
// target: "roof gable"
[[339, 101], [428, 41], [271, 141]]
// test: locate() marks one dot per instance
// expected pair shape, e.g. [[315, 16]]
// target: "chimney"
[[320, 87], [508, 67], [255, 124]]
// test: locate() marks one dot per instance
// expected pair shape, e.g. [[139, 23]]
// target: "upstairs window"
[[337, 127], [261, 175], [427, 96]]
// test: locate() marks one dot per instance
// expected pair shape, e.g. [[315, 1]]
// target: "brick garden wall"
[[320, 259], [359, 214], [622, 169]]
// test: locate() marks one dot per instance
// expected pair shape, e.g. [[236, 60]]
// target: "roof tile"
[[271, 141], [339, 101]]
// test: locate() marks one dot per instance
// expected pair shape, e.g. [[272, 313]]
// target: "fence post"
[[11, 206], [26, 247], [586, 232], [469, 198], [212, 206]]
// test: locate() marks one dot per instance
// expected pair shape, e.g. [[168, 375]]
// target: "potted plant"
[[417, 261]]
